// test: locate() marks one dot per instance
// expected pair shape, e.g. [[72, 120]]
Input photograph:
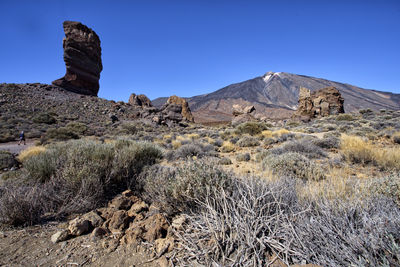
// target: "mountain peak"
[[269, 75]]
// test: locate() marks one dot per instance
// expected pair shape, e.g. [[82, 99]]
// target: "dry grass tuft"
[[29, 152], [356, 150], [227, 147]]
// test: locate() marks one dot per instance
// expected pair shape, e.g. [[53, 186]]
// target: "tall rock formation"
[[320, 103], [82, 56], [186, 113]]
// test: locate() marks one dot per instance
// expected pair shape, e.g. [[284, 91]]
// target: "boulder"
[[185, 110], [137, 208], [118, 222], [94, 218], [78, 226], [60, 236], [139, 100], [321, 103], [82, 56]]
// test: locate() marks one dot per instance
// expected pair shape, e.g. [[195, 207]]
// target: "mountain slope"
[[275, 95]]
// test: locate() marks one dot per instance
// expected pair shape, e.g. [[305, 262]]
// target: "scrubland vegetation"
[[325, 192]]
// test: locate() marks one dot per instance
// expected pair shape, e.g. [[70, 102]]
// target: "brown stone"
[[118, 222], [321, 103], [82, 56], [137, 208], [133, 235], [121, 203], [156, 227], [186, 113], [140, 100], [164, 245]]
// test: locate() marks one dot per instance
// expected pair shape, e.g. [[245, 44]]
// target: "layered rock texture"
[[321, 103], [82, 56], [186, 113]]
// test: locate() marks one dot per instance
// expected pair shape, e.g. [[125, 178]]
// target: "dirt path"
[[14, 148]]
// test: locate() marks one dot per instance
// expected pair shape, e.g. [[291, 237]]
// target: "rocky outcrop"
[[185, 110], [241, 115], [82, 56], [139, 100], [238, 110], [321, 103]]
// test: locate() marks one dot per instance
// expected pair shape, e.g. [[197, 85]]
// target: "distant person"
[[21, 138]]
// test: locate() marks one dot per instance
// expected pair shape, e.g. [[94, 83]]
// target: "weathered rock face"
[[238, 110], [82, 56], [321, 103], [242, 114], [186, 113], [139, 100]]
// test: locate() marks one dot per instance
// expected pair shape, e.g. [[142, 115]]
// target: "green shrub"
[[44, 118], [77, 127], [225, 161], [344, 117], [295, 165], [60, 134], [243, 157], [251, 128], [77, 176], [248, 141]]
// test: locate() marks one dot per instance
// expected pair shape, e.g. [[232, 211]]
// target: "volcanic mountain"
[[275, 95]]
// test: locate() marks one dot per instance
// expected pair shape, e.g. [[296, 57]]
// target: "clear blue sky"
[[190, 47]]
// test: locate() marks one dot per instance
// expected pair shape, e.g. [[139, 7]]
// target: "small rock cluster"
[[241, 115], [175, 111], [129, 220], [321, 103]]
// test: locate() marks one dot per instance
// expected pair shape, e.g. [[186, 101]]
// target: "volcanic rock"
[[140, 100], [82, 56], [321, 103], [186, 113]]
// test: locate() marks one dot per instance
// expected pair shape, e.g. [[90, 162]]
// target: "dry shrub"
[[179, 189], [31, 151], [251, 128], [248, 141], [246, 226], [303, 146], [295, 165]]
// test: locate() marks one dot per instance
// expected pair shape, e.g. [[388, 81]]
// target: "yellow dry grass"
[[227, 147], [29, 152], [276, 133], [357, 150], [193, 136], [176, 144]]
